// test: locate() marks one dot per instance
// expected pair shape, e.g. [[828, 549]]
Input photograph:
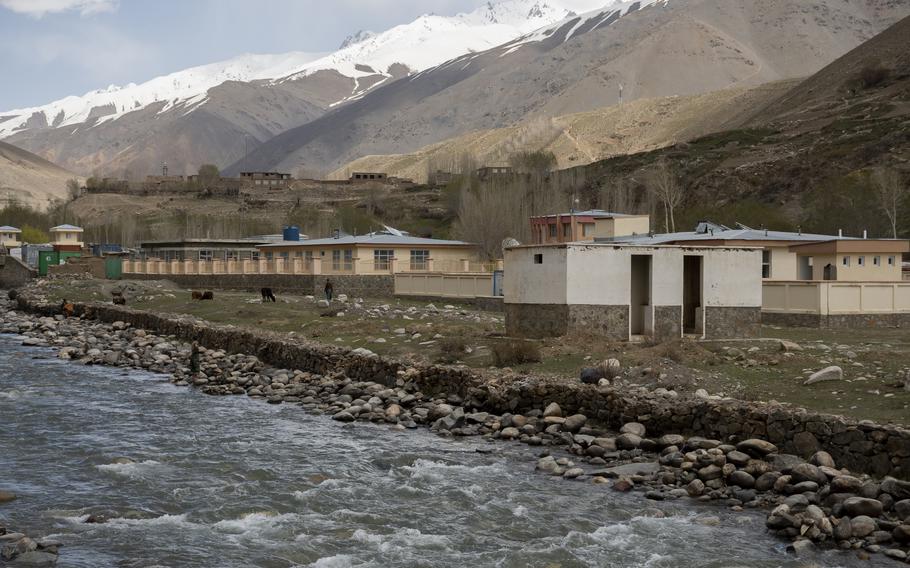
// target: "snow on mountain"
[[426, 42]]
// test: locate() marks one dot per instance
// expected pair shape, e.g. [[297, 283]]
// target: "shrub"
[[451, 349], [873, 76], [508, 354]]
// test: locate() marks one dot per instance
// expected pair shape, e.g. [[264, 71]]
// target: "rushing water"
[[234, 482]]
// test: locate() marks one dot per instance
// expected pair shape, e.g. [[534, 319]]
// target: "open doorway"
[[692, 294], [641, 295], [805, 267]]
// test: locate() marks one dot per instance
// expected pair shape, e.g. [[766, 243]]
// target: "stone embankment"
[[24, 551], [668, 447]]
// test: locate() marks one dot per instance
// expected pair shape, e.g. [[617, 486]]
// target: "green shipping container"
[[113, 267]]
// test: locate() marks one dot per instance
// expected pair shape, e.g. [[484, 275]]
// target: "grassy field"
[[875, 362]]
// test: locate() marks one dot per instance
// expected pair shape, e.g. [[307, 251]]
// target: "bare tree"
[[891, 191], [664, 184]]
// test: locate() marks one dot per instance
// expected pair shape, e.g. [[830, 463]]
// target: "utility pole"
[[163, 169], [620, 93]]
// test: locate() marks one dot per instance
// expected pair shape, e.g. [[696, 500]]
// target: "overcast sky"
[[53, 48]]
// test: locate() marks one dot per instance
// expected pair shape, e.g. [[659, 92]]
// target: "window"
[[285, 255], [268, 256], [205, 255], [890, 261], [254, 255], [231, 255], [538, 259], [382, 259], [553, 231], [861, 261], [587, 229], [420, 260], [766, 264], [343, 260], [846, 261], [876, 261], [566, 229]]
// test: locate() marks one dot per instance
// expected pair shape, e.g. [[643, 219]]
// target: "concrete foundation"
[[732, 323], [537, 321], [840, 321], [667, 323]]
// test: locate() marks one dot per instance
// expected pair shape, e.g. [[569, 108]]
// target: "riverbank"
[[813, 501]]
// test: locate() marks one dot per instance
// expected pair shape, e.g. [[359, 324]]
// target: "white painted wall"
[[732, 277], [598, 276], [527, 283]]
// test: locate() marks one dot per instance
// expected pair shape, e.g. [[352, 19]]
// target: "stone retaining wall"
[[14, 273], [837, 321], [860, 446], [378, 286]]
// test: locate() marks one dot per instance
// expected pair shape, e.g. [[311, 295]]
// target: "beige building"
[[587, 226], [378, 253], [66, 237], [10, 237], [633, 291]]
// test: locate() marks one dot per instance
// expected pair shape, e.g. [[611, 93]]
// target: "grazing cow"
[[197, 295], [268, 295], [208, 295], [12, 294], [592, 376], [118, 298], [67, 308]]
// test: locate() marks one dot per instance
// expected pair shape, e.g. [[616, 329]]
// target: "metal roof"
[[8, 229], [725, 234], [596, 213], [370, 239], [66, 228]]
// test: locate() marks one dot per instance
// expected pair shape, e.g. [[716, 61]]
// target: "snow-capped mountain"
[[427, 41]]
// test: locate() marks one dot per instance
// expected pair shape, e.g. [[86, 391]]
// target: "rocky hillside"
[[807, 154], [651, 49], [585, 137], [28, 179]]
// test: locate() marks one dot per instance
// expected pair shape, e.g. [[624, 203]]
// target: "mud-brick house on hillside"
[[625, 291]]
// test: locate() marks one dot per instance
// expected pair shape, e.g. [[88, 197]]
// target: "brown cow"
[[197, 295]]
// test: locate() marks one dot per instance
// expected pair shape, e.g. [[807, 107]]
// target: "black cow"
[[268, 295]]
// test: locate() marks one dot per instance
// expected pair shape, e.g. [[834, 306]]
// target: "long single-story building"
[[624, 291], [378, 253], [204, 249]]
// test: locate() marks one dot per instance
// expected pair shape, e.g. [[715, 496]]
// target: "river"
[[233, 482]]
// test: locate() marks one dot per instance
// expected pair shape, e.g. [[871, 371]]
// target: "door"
[[640, 295], [113, 267], [692, 294]]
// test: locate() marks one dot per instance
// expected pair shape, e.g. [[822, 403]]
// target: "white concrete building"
[[625, 291]]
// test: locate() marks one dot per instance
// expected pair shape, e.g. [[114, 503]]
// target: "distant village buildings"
[[10, 237]]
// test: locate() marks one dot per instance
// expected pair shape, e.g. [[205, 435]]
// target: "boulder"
[[633, 428], [509, 433], [862, 526], [671, 440], [902, 510], [832, 373], [901, 534], [573, 473], [822, 459], [808, 472], [765, 481], [789, 346], [861, 506], [628, 441], [552, 409], [710, 472], [737, 458], [741, 479], [757, 448], [695, 488], [574, 423], [846, 484], [898, 489]]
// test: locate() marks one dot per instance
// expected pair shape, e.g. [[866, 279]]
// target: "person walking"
[[329, 290]]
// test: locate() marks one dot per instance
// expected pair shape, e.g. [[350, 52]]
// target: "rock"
[[742, 479], [895, 553], [765, 481], [36, 558], [900, 490], [832, 373], [608, 444], [844, 529], [631, 469], [737, 458], [789, 346], [822, 459], [633, 428], [574, 423], [509, 433], [393, 411], [846, 484], [623, 485], [862, 526], [573, 473], [695, 488], [343, 416], [808, 472], [7, 496], [902, 509], [323, 303], [548, 465], [552, 409], [801, 548], [861, 506], [757, 448], [901, 534], [668, 440], [628, 441], [710, 472]]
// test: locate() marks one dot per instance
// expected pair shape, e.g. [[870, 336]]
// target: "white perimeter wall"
[[527, 283], [732, 277]]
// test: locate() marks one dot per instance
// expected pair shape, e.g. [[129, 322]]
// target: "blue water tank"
[[292, 233]]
